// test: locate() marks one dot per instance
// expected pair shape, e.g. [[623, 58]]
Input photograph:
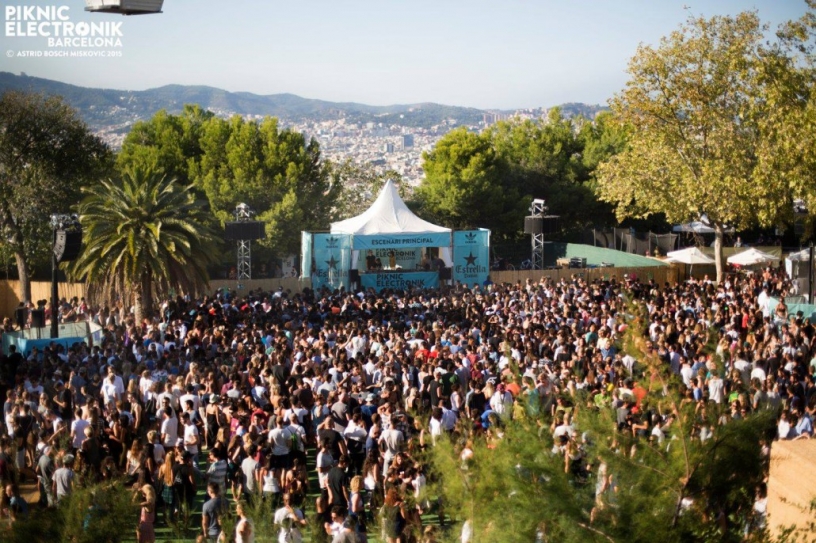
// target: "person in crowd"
[[361, 383], [147, 514]]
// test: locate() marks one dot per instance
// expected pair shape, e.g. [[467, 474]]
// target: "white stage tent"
[[389, 223]]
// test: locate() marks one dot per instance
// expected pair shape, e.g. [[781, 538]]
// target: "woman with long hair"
[[168, 493], [147, 515], [391, 516]]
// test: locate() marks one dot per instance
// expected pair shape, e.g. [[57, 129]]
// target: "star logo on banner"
[[332, 262], [470, 259]]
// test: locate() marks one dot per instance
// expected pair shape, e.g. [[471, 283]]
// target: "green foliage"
[[489, 179], [680, 490], [466, 186], [711, 114], [168, 142], [274, 171], [100, 513], [143, 234], [46, 155]]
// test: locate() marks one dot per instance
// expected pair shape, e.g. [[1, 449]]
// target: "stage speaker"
[[67, 245], [38, 318], [20, 317], [445, 274], [550, 224], [533, 224], [354, 276], [244, 231]]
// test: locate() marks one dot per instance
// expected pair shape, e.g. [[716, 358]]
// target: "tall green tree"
[[144, 235], [170, 142], [467, 184], [547, 160], [700, 110], [46, 155], [274, 171]]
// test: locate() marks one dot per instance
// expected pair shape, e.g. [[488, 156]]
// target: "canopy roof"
[[690, 255], [751, 257], [387, 215], [801, 256]]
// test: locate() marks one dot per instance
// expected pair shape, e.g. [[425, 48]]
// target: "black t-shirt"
[[66, 398], [25, 424], [337, 481], [333, 437], [477, 401]]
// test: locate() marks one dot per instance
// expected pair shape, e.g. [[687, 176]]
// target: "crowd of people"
[[234, 396]]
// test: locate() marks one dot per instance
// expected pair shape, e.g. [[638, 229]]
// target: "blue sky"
[[482, 53]]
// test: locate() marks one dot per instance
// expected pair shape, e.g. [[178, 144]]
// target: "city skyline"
[[484, 53]]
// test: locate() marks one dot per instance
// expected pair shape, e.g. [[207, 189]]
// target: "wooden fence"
[[41, 290]]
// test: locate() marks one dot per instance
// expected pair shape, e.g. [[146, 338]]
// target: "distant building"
[[388, 147], [407, 141]]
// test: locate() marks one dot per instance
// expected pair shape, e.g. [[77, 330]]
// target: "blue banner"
[[399, 280], [395, 241], [471, 256], [305, 255], [331, 260]]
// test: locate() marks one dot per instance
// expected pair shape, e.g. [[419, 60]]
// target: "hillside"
[[116, 110]]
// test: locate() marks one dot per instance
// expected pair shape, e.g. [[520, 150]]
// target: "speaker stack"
[[38, 318], [541, 224], [244, 230], [20, 317], [67, 244]]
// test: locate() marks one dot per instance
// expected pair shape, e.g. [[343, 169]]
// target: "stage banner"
[[408, 259], [399, 280], [471, 256], [331, 260], [305, 255], [396, 241]]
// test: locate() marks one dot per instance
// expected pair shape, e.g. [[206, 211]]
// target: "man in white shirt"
[[191, 436], [169, 429], [109, 390], [78, 429], [190, 396]]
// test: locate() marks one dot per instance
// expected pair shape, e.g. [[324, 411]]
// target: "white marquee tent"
[[389, 217]]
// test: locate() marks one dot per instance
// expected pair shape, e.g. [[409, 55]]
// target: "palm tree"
[[144, 234]]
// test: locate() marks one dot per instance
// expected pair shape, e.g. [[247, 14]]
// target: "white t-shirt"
[[190, 432], [289, 532], [78, 431], [169, 430]]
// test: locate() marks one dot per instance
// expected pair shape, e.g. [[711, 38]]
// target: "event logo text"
[[54, 23]]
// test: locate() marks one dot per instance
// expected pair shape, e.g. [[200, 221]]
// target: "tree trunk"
[[147, 294], [23, 272], [718, 251], [138, 307]]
